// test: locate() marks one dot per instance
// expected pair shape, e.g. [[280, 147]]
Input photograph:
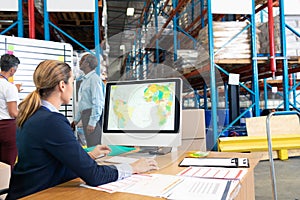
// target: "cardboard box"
[[279, 124], [193, 124], [193, 145], [5, 177], [193, 130]]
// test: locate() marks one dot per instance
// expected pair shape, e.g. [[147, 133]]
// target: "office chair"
[[3, 191]]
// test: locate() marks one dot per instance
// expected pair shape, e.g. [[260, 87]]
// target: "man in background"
[[91, 95]]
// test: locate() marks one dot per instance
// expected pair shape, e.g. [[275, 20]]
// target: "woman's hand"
[[19, 85], [144, 165], [90, 129], [100, 151], [73, 125]]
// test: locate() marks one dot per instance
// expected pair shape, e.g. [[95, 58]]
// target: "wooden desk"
[[168, 165]]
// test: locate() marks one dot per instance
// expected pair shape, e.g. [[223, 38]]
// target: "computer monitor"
[[143, 113]]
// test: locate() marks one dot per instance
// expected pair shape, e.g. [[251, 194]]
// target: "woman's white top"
[[8, 93]]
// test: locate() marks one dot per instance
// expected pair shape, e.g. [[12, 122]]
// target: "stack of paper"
[[197, 188], [156, 185], [171, 187], [214, 172]]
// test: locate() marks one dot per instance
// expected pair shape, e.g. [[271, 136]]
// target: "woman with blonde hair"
[[49, 153]]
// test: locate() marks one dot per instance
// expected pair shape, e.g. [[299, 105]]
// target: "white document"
[[204, 189], [214, 172], [156, 185], [121, 159], [106, 188], [229, 162]]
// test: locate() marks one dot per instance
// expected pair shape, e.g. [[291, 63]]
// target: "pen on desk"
[[171, 186], [100, 156]]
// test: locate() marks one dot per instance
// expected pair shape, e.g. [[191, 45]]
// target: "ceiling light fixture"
[[130, 12]]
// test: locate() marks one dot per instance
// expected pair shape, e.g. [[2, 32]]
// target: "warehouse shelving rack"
[[19, 22], [48, 23], [213, 66], [258, 64], [43, 19], [289, 82], [213, 93], [200, 15]]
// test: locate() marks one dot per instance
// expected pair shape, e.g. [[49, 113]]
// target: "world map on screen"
[[143, 106]]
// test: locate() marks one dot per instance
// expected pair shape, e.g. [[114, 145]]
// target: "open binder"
[[215, 162]]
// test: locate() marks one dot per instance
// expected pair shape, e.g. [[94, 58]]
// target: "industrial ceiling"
[[79, 26]]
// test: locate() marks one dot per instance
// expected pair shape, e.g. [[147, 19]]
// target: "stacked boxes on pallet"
[[292, 41], [230, 41]]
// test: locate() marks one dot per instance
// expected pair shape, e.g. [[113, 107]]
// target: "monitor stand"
[[155, 150]]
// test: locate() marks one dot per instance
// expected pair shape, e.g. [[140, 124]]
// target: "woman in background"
[[48, 152], [8, 109]]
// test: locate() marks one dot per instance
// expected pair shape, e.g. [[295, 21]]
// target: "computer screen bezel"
[[177, 107]]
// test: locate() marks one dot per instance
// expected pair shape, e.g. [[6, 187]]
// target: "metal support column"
[[271, 38], [294, 89], [255, 86], [213, 88], [270, 149], [145, 29], [31, 19], [175, 3], [97, 36], [234, 103], [46, 22], [205, 96], [265, 94], [285, 78], [141, 61], [155, 7], [20, 19]]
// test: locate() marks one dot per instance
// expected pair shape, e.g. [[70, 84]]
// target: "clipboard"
[[215, 162]]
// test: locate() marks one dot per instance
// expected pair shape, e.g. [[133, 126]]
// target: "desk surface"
[[168, 165]]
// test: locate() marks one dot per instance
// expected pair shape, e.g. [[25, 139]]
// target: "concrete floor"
[[287, 179]]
